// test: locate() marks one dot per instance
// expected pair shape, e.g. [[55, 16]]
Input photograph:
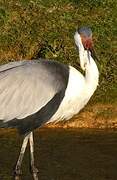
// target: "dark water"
[[63, 154]]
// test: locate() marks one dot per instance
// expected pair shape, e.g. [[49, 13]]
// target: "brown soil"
[[102, 116], [63, 154]]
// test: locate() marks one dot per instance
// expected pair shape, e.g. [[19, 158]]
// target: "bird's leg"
[[17, 173], [34, 170]]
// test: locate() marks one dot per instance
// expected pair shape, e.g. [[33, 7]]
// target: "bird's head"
[[84, 42], [86, 37]]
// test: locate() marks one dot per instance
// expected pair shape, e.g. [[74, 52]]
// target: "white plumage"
[[80, 88], [71, 103], [78, 92]]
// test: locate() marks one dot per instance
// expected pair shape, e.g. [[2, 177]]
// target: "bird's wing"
[[26, 87]]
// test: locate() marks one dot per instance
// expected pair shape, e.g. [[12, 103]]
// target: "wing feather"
[[25, 89]]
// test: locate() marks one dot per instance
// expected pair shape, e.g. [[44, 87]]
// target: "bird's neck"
[[91, 75], [91, 71]]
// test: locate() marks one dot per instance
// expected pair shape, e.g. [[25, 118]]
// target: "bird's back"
[[28, 89]]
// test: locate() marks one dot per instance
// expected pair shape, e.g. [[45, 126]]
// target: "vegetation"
[[46, 27]]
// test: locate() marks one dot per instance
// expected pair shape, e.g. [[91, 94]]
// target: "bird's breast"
[[75, 97]]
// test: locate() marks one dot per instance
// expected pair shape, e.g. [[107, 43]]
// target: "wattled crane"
[[33, 93]]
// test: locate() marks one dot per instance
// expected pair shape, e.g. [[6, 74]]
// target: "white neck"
[[90, 67], [91, 75]]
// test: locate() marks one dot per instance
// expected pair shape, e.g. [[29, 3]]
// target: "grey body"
[[31, 92]]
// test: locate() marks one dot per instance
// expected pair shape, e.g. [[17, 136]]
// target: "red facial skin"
[[88, 45], [87, 42]]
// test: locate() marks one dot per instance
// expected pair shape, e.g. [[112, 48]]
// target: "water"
[[63, 154]]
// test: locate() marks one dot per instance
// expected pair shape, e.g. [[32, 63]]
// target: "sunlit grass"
[[46, 28]]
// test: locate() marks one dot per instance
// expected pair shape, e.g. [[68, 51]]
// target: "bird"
[[37, 92]]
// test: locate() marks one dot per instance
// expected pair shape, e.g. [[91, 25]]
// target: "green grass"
[[46, 27]]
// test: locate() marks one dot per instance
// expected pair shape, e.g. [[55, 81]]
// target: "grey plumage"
[[85, 31], [26, 88]]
